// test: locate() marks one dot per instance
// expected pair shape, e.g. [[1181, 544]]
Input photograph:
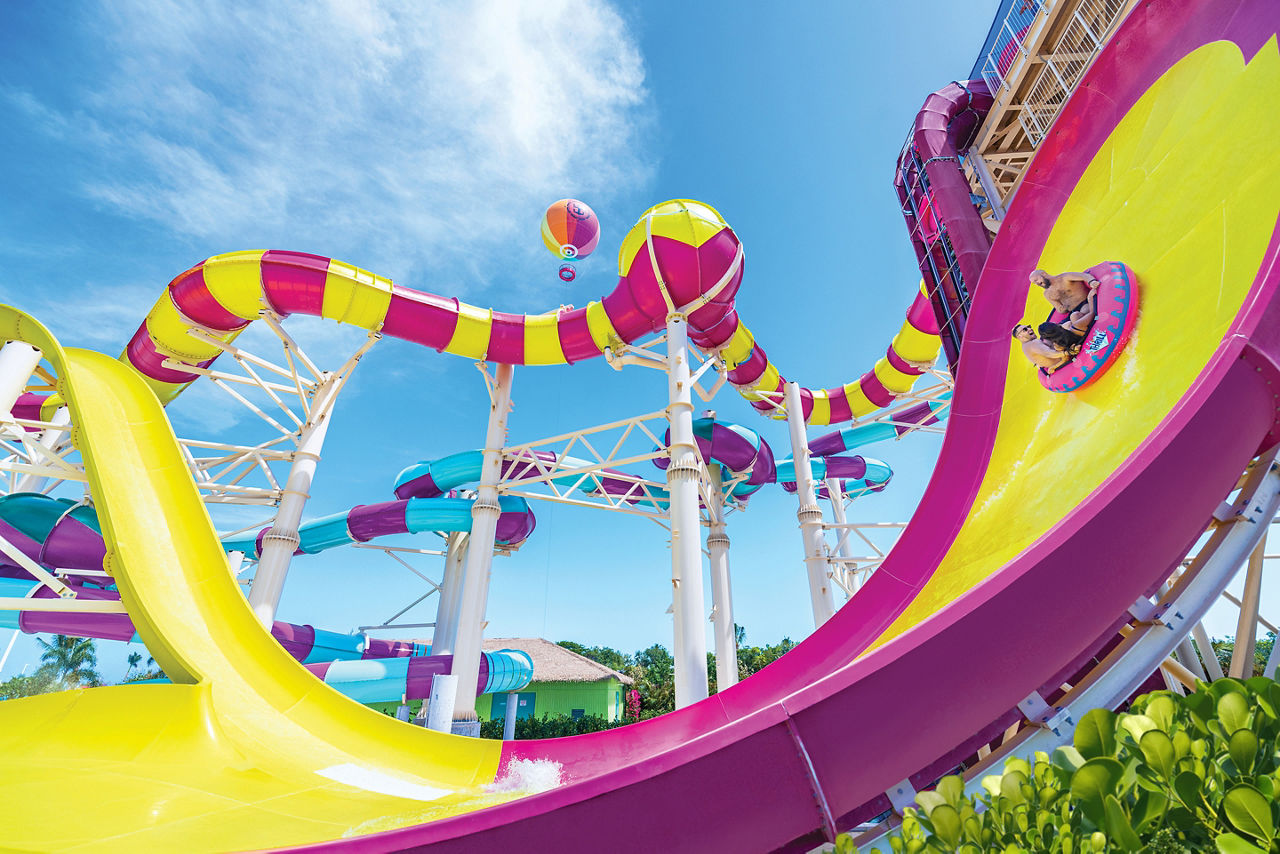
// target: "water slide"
[[1048, 516], [57, 532]]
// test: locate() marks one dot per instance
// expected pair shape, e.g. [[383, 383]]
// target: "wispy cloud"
[[423, 140], [101, 316]]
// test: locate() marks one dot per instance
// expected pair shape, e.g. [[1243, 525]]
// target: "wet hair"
[[1060, 337]]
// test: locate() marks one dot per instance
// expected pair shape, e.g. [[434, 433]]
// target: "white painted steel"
[[446, 628], [4, 659], [721, 589], [1207, 656], [65, 606], [853, 580], [479, 558], [281, 540], [1247, 626], [821, 592], [509, 722], [38, 572], [48, 438], [18, 361], [441, 703], [683, 477]]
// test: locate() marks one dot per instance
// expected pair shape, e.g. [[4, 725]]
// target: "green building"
[[564, 683]]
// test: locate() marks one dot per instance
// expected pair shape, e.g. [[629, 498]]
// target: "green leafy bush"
[[1174, 775], [546, 726]]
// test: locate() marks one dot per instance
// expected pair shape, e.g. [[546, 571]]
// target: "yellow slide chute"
[[252, 750]]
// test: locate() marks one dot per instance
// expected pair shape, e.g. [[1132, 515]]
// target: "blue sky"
[[423, 142]]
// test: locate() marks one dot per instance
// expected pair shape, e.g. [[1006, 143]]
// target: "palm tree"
[[74, 660], [135, 658]]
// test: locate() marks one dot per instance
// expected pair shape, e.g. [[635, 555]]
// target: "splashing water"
[[529, 776]]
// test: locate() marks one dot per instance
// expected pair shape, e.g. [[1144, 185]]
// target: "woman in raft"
[[1055, 346]]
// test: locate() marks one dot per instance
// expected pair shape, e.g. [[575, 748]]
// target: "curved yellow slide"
[[254, 751]]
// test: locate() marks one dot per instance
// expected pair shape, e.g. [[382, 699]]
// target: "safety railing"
[[1011, 43], [1064, 63], [1076, 32]]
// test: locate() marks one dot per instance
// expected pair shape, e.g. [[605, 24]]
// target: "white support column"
[[1247, 628], [48, 438], [835, 494], [683, 476], [1186, 650], [1187, 658], [479, 560], [1210, 659], [721, 590], [18, 361], [440, 705], [446, 630], [281, 541], [509, 722], [4, 659], [821, 595]]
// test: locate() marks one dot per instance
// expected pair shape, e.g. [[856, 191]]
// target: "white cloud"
[[103, 317], [422, 138]]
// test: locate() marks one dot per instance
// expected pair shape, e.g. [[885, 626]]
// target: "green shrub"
[[1174, 775], [558, 726]]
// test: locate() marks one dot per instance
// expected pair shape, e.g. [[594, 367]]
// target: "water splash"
[[529, 776]]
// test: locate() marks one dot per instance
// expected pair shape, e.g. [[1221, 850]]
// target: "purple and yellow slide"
[[1048, 516]]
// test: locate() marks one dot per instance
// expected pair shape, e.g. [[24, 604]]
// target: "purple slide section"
[[933, 190], [840, 468], [818, 737], [298, 640], [70, 545], [733, 448], [922, 414], [106, 626], [73, 545]]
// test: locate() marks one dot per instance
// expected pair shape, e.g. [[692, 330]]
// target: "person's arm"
[[1083, 278], [1082, 318], [1042, 355]]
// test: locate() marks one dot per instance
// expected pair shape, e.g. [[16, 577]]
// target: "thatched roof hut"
[[554, 663]]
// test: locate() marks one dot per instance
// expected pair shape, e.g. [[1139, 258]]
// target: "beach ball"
[[570, 229]]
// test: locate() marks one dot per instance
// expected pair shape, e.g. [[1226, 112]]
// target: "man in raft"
[[1051, 350], [1073, 294]]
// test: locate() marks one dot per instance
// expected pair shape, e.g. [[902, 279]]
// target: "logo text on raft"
[[1098, 340]]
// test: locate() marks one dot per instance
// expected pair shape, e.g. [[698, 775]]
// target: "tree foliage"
[[653, 669], [41, 682], [607, 656], [557, 726], [73, 660], [1224, 649]]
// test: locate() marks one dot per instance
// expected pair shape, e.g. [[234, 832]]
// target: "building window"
[[577, 714]]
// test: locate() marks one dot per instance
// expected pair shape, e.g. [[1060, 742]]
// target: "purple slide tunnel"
[[739, 450], [857, 474]]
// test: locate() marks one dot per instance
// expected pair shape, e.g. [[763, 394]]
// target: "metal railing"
[[1057, 66], [1010, 45], [1064, 63]]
